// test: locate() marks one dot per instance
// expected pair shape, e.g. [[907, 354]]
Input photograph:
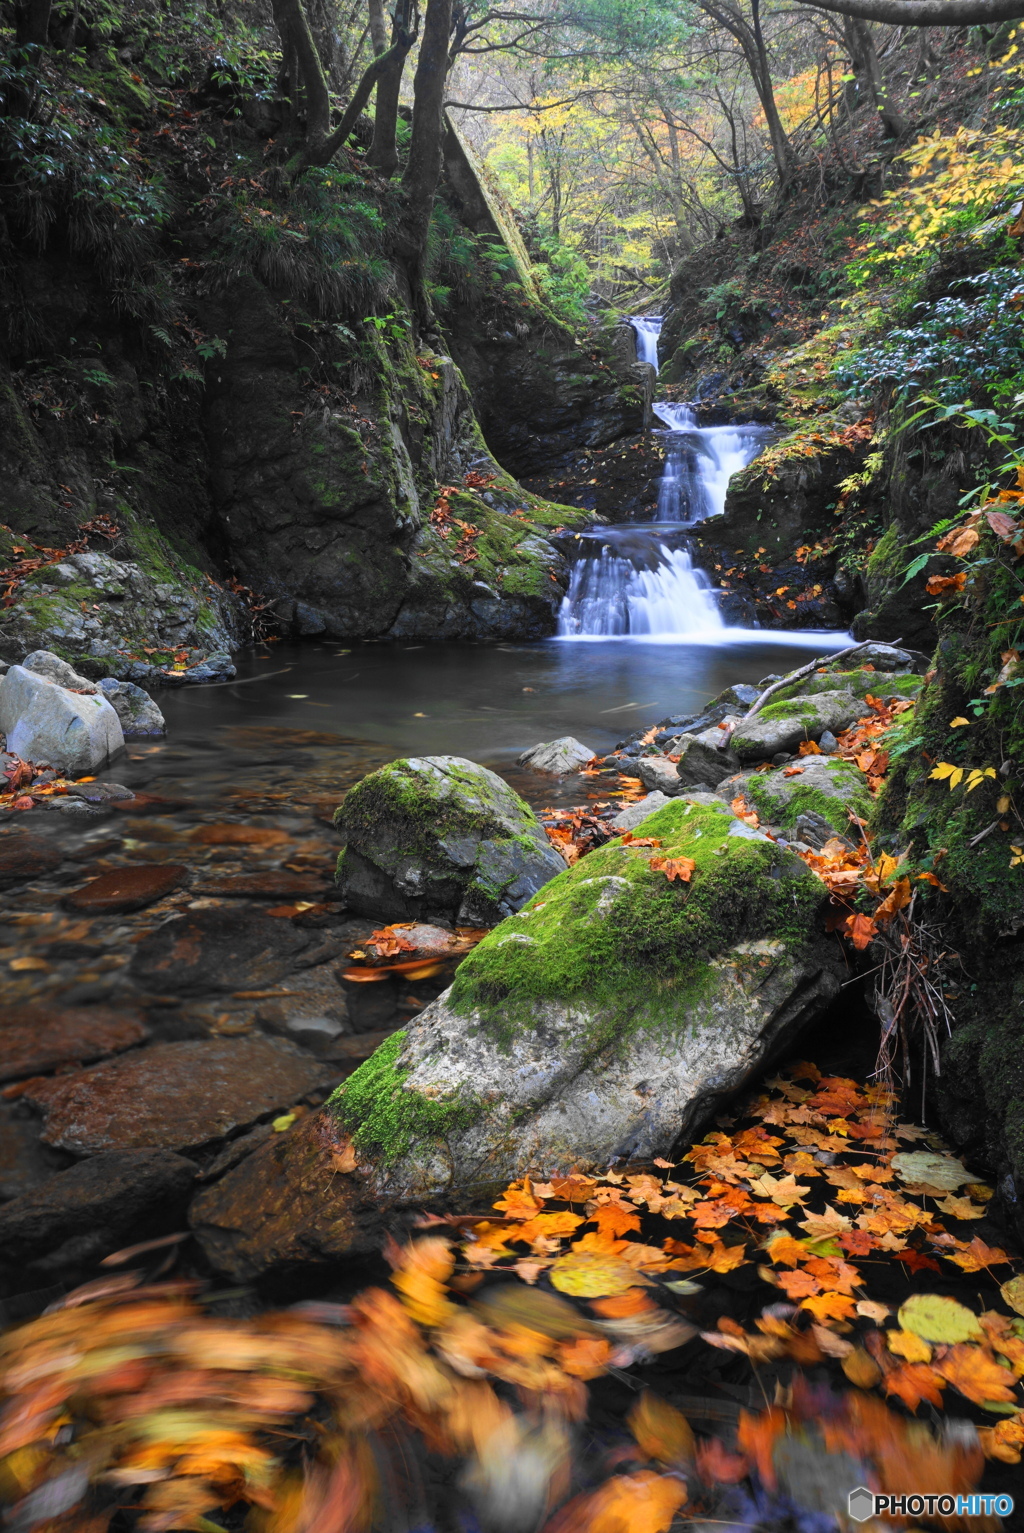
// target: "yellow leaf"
[[592, 1274], [285, 1121], [909, 1345], [661, 1432], [958, 722], [937, 1318]]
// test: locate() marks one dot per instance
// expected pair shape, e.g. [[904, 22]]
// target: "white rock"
[[42, 662], [635, 814], [559, 757], [44, 722]]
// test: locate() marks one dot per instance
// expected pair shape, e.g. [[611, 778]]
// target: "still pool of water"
[[486, 702]]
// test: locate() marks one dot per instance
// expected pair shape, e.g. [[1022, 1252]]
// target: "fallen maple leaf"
[[682, 868], [975, 1373]]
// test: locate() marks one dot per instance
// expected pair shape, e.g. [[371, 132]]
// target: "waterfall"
[[635, 583], [699, 462], [639, 580], [648, 328]]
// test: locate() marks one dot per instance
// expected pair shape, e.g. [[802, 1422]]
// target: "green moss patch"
[[614, 935], [883, 684], [385, 1117], [781, 800]]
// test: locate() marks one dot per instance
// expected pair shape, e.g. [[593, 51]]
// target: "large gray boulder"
[[704, 758], [558, 757], [609, 1018], [440, 839], [135, 708], [43, 721], [658, 775], [782, 725]]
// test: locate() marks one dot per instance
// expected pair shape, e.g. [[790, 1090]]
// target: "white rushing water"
[[634, 584], [638, 580], [699, 462], [648, 328]]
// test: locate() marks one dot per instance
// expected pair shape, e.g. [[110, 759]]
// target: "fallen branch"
[[805, 670]]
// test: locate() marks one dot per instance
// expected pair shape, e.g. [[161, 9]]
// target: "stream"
[[664, 648]]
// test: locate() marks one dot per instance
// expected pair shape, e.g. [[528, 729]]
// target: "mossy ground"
[[616, 936], [386, 1119], [884, 684]]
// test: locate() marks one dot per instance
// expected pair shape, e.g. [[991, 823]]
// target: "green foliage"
[[564, 279], [965, 344], [326, 244]]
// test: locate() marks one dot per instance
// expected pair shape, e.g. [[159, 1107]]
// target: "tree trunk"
[[864, 58], [291, 23], [424, 167], [383, 152], [927, 13], [32, 23], [321, 151], [378, 28]]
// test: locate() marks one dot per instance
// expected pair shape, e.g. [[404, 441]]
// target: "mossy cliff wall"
[[227, 368]]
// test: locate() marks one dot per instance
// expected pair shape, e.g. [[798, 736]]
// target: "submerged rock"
[[607, 1019], [559, 757], [43, 721], [781, 726], [41, 1036], [124, 889], [217, 950], [135, 708], [174, 1096], [62, 1228], [24, 857], [440, 839]]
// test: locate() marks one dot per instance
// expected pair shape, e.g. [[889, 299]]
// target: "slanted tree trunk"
[[425, 150], [378, 28], [383, 152], [864, 58], [927, 13]]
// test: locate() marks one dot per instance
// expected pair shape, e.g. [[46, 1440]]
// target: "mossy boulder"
[[860, 682], [605, 1019], [825, 785], [439, 838], [781, 726]]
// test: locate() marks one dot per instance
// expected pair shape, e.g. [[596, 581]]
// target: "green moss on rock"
[[615, 935], [386, 1119]]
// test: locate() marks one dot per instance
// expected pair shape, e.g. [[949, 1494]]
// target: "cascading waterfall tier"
[[699, 462], [639, 580]]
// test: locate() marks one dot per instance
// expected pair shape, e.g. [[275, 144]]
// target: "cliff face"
[[236, 391]]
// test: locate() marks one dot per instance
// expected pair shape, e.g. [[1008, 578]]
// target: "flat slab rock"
[[39, 1037], [24, 857], [270, 886], [218, 950], [76, 1217], [125, 889], [174, 1096]]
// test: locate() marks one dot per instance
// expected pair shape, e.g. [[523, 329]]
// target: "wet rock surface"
[[34, 1039], [439, 837], [24, 857], [139, 714], [62, 1228], [174, 1096], [125, 889], [212, 950]]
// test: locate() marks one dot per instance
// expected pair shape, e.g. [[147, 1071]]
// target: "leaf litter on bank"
[[773, 1253]]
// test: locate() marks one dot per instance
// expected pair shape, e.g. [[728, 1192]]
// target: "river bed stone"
[[38, 1037], [63, 1227], [125, 889], [24, 857], [174, 1096], [217, 949]]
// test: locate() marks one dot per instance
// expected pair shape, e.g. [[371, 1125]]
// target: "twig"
[[805, 670]]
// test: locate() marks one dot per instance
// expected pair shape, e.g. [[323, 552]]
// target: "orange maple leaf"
[[613, 1220], [975, 1373], [682, 868], [830, 1306]]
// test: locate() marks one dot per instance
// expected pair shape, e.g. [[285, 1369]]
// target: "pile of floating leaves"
[[799, 1306]]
